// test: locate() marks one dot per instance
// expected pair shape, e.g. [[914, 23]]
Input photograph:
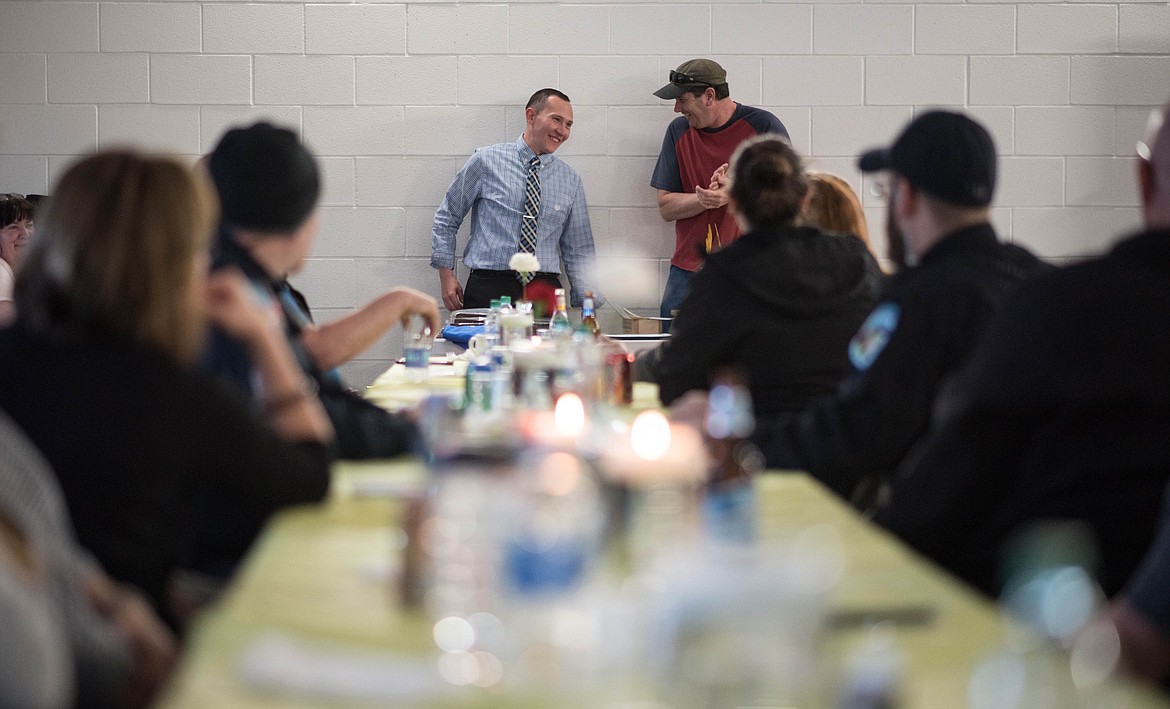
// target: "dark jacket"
[[363, 430], [131, 437], [929, 318], [1063, 412], [778, 305]]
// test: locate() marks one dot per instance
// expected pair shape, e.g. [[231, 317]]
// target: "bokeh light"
[[454, 633], [569, 415], [459, 668], [650, 435]]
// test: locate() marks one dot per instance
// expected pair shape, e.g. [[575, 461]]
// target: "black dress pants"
[[484, 285]]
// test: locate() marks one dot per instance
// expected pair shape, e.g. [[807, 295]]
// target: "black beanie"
[[267, 181]]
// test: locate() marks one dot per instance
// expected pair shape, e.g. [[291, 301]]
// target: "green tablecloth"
[[326, 574]]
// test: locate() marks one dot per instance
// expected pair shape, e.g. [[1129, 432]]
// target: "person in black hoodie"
[[779, 305]]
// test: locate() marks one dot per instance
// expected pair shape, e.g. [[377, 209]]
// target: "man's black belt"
[[538, 274]]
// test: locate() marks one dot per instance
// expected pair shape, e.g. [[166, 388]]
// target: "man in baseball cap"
[[939, 176], [1061, 413], [691, 170]]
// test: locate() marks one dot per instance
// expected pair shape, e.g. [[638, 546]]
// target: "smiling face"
[[547, 130], [13, 240], [699, 110]]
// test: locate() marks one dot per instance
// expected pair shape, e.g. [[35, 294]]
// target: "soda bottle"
[[729, 506], [589, 316], [558, 324]]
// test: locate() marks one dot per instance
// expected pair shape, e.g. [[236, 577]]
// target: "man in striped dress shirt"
[[491, 186]]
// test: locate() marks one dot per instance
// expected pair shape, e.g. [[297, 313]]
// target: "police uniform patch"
[[875, 332]]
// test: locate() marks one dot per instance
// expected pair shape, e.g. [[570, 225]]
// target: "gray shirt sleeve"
[[36, 669], [32, 500]]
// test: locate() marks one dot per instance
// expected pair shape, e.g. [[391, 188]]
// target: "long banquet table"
[[314, 618], [324, 575]]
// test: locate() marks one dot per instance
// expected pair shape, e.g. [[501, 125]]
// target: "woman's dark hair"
[[14, 208], [767, 181]]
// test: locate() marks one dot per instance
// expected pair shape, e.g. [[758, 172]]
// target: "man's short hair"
[[540, 99], [722, 91]]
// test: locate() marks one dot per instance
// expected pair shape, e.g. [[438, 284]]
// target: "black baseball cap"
[[266, 179], [945, 154]]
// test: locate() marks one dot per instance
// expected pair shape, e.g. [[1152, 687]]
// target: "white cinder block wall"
[[393, 96]]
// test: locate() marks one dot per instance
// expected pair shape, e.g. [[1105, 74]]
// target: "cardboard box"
[[641, 326]]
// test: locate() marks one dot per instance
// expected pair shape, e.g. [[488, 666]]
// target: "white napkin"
[[282, 664]]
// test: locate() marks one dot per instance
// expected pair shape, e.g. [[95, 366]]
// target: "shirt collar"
[[526, 153]]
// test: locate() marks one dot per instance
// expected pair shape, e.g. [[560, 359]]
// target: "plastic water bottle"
[[480, 374], [491, 324], [417, 349], [502, 387], [554, 525]]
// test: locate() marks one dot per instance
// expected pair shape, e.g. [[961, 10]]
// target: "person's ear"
[[905, 197], [529, 115]]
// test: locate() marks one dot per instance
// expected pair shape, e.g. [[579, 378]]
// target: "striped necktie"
[[531, 212]]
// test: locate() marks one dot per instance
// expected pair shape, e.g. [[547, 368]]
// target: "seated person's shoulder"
[[1028, 263]]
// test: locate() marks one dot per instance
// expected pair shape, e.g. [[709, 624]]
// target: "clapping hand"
[[720, 179], [715, 195]]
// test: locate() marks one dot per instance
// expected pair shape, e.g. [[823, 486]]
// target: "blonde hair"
[[116, 251], [833, 206]]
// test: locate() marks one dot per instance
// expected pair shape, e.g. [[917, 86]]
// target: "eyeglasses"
[[677, 77]]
